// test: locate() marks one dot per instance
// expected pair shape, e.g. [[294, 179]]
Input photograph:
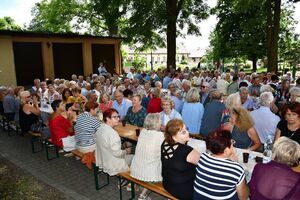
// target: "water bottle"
[[268, 146]]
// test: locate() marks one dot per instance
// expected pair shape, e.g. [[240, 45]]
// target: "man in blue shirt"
[[121, 104]]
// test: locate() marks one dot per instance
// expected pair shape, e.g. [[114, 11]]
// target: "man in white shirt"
[[265, 122]]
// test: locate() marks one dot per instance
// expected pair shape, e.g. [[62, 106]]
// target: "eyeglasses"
[[116, 117], [233, 141], [183, 132], [203, 86]]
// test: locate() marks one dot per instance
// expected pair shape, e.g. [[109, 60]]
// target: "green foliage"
[[7, 23], [138, 62], [54, 16]]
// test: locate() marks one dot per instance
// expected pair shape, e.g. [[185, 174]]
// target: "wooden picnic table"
[[127, 131]]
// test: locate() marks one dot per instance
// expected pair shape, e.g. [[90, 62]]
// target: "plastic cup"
[[137, 132], [245, 157]]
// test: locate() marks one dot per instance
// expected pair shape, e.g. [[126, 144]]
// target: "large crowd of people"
[[227, 109]]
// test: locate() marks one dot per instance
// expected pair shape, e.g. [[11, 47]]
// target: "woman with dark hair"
[[217, 176], [59, 124], [109, 154], [67, 96], [86, 127], [290, 125], [178, 160], [283, 91]]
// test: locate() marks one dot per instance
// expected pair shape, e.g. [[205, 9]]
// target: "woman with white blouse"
[[146, 163], [109, 154], [168, 112]]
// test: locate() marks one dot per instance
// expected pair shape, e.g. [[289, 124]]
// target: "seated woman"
[[109, 154], [59, 124], [217, 176], [86, 127], [276, 179], [192, 111], [242, 130], [290, 125], [105, 102], [136, 114], [178, 161], [146, 163], [168, 112], [67, 96], [29, 111], [154, 105]]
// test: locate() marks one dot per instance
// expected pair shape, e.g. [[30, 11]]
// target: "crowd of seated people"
[[247, 108]]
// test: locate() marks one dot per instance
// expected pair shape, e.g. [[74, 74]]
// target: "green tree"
[[8, 23], [54, 16], [165, 19]]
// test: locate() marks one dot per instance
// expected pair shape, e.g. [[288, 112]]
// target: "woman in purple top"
[[278, 179]]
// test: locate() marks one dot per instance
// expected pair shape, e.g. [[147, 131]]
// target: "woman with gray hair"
[[146, 163], [294, 94], [192, 111], [168, 112], [278, 179]]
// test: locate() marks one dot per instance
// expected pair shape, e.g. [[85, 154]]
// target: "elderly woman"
[[136, 114], [109, 154], [146, 163], [59, 124], [217, 176], [192, 111], [276, 179], [86, 127], [29, 111], [178, 161], [168, 112], [290, 125], [242, 130], [105, 102], [294, 93]]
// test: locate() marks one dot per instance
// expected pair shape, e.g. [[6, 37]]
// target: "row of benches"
[[38, 145]]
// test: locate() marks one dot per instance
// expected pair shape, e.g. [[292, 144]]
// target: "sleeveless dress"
[[178, 175], [242, 139], [26, 120]]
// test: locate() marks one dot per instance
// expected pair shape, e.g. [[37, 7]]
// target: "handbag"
[[69, 143], [37, 127]]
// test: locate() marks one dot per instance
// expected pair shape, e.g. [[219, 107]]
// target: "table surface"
[[127, 131]]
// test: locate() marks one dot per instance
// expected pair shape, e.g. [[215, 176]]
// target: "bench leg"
[[96, 177], [36, 140], [123, 183], [48, 146]]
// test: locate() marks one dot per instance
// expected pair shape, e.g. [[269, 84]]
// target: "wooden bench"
[[96, 171], [154, 187]]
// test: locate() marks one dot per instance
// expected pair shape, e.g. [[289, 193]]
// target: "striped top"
[[217, 178], [85, 129]]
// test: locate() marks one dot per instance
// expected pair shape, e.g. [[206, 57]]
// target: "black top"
[[26, 120], [294, 135], [178, 175]]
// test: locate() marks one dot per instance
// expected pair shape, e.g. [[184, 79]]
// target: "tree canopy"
[[7, 23]]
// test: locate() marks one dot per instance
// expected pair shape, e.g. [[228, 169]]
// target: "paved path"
[[67, 175]]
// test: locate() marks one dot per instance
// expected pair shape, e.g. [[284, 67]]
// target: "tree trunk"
[[171, 6], [273, 26], [254, 64]]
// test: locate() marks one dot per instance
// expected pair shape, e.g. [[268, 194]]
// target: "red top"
[[103, 107], [154, 105], [60, 128]]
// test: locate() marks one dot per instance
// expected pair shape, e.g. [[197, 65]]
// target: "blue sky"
[[20, 11]]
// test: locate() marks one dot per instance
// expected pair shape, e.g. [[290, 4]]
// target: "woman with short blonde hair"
[[242, 130], [168, 112], [277, 179], [193, 96]]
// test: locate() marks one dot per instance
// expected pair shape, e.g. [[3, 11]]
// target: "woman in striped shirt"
[[218, 177]]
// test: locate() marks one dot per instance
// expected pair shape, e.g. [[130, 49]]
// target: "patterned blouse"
[[137, 118]]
